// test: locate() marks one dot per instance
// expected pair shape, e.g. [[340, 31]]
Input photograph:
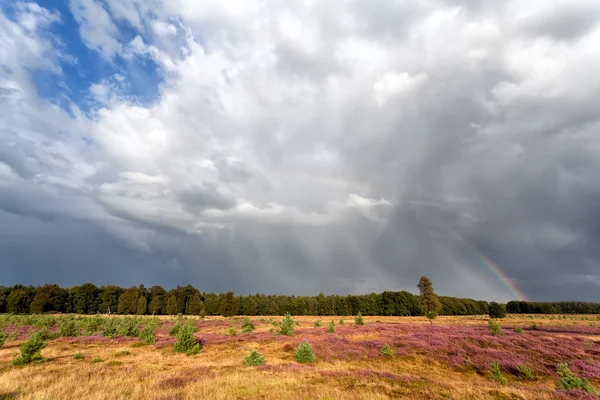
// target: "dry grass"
[[130, 371]]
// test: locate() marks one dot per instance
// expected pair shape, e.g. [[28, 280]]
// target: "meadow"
[[100, 357]]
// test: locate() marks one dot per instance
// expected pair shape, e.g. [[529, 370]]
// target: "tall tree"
[[128, 301], [228, 304], [171, 307], [85, 298], [142, 306], [194, 305], [430, 304]]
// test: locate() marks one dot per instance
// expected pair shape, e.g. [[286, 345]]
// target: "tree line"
[[187, 300]]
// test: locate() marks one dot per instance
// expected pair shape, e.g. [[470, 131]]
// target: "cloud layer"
[[306, 147]]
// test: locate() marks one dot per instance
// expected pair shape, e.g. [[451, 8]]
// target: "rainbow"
[[499, 273]]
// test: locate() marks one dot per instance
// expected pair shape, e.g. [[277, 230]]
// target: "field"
[[449, 359]]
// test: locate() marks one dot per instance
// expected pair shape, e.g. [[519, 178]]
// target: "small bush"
[[568, 380], [331, 327], [30, 350], [518, 330], [495, 328], [186, 342], [232, 331], [93, 325], [97, 360], [69, 327], [248, 326], [129, 327], [317, 324], [342, 322], [534, 327], [287, 325], [122, 353], [358, 320], [2, 338], [497, 374], [387, 350], [110, 328], [114, 363], [147, 335], [524, 372], [175, 329], [254, 359], [304, 353], [78, 356]]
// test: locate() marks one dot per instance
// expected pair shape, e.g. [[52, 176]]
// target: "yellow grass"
[[148, 372]]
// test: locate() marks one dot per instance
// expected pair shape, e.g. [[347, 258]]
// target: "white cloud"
[[393, 84], [96, 27]]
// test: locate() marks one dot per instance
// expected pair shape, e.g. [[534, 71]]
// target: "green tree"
[[85, 298], [171, 308], [496, 310], [195, 305], [109, 298], [18, 300], [128, 301], [430, 304], [228, 304], [142, 306]]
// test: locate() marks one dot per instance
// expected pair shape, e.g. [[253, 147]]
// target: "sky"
[[303, 147]]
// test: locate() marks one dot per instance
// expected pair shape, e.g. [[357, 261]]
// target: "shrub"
[[287, 325], [518, 330], [534, 327], [568, 380], [232, 331], [254, 359], [68, 327], [248, 326], [331, 327], [342, 322], [175, 329], [93, 325], [186, 342], [304, 353], [30, 350], [524, 372], [358, 320], [495, 328], [110, 328], [122, 353], [147, 334], [496, 310], [2, 338], [387, 350], [497, 374], [97, 360], [78, 356], [317, 324], [128, 327]]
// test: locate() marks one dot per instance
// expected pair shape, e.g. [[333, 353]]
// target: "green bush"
[[254, 359], [186, 342], [358, 320], [93, 325], [568, 380], [342, 322], [247, 326], [524, 372], [534, 327], [69, 327], [497, 374], [109, 329], [317, 324], [232, 331], [147, 334], [2, 338], [175, 329], [128, 327], [78, 356], [387, 350], [331, 327], [97, 360], [495, 328], [30, 350], [287, 325], [518, 330], [304, 353]]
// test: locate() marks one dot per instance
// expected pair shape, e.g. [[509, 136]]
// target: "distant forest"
[[187, 300]]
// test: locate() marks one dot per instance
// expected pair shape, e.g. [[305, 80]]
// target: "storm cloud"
[[303, 148]]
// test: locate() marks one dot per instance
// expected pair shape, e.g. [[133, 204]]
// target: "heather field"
[[387, 357]]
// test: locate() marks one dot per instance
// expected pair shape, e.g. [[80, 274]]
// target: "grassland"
[[450, 359]]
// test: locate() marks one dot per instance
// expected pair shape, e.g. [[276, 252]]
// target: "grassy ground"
[[450, 359]]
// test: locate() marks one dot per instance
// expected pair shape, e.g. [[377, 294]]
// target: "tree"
[[228, 304], [128, 301], [142, 306], [19, 299], [194, 305], [171, 308], [496, 310], [85, 298], [109, 298], [157, 300], [430, 304]]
